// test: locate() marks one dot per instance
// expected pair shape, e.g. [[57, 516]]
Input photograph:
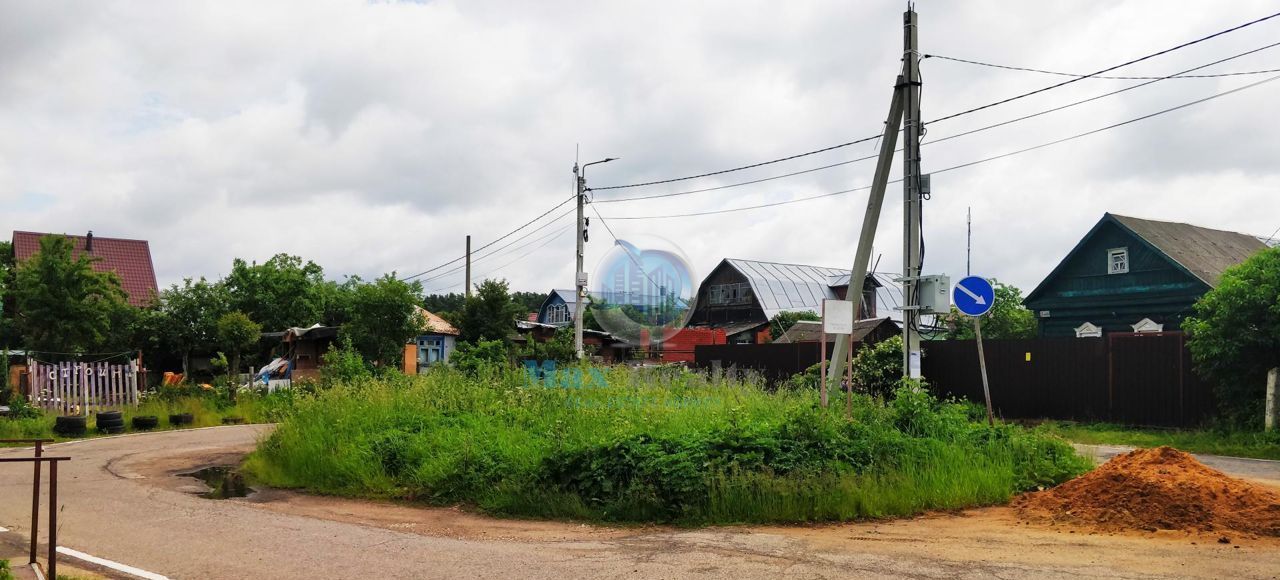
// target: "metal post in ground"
[[982, 365], [53, 519], [1273, 377], [35, 501]]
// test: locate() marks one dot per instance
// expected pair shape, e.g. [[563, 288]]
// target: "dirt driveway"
[[123, 503]]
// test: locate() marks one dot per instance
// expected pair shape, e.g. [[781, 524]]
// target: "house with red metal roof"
[[130, 260]]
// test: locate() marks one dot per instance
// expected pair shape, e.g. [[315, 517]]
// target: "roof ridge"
[[782, 263], [1190, 225], [81, 236]]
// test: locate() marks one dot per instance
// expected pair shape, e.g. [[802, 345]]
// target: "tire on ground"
[[145, 422], [70, 426], [181, 419]]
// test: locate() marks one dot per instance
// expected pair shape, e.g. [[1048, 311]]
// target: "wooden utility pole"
[[911, 247], [468, 266], [982, 366], [862, 257]]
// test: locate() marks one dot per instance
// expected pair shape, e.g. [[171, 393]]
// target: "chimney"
[[88, 242]]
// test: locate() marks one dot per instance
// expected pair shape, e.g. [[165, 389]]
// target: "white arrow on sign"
[[977, 299]]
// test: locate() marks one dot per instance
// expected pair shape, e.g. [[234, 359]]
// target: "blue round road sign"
[[973, 295]]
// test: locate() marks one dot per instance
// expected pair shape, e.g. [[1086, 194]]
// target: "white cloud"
[[372, 137]]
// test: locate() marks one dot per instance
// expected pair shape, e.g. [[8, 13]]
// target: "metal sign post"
[[974, 296], [837, 319]]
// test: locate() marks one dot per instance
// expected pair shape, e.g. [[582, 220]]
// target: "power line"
[[505, 246], [971, 163], [752, 166], [1104, 95], [947, 117], [546, 241], [1105, 70], [1181, 74], [1117, 78], [625, 249], [504, 236]]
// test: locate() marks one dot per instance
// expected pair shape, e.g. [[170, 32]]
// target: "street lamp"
[[580, 279]]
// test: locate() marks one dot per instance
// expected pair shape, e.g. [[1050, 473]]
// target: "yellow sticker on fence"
[[1028, 357]]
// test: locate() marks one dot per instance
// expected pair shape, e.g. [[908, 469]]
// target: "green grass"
[[207, 410], [650, 445], [1209, 441]]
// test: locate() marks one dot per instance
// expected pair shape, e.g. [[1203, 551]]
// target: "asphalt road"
[[122, 503]]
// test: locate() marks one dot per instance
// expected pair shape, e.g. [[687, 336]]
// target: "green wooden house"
[[1133, 275]]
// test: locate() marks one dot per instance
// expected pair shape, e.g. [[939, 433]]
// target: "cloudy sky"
[[372, 136]]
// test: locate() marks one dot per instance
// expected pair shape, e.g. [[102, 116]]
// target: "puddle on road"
[[224, 482]]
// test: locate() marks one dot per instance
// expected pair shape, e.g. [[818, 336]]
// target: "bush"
[[1234, 336], [878, 369], [19, 408], [484, 355], [343, 364]]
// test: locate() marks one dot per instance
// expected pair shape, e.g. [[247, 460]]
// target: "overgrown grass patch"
[[206, 408], [1230, 442], [649, 445]]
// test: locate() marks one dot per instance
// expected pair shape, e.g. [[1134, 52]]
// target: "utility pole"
[[911, 247], [580, 277], [871, 219], [468, 265]]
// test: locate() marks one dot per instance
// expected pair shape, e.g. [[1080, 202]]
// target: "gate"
[[70, 387]]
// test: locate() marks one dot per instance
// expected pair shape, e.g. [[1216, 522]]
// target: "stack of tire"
[[145, 422], [181, 419], [70, 426], [110, 422]]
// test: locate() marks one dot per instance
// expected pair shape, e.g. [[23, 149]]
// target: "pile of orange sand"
[[1156, 489]]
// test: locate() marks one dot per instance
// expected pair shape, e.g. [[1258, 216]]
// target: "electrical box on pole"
[[935, 294]]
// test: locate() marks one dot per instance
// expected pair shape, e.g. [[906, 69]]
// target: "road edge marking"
[[118, 567]]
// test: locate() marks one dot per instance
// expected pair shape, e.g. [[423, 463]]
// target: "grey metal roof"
[[1202, 251], [786, 287]]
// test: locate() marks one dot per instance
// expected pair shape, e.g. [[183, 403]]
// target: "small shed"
[[867, 330]]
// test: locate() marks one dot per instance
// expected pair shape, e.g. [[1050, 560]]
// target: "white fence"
[[72, 387]]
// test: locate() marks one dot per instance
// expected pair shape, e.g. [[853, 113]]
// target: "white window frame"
[[1111, 260]]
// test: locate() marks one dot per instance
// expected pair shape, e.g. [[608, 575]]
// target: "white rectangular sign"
[[837, 316]]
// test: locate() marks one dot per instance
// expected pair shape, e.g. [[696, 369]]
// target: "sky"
[[371, 137]]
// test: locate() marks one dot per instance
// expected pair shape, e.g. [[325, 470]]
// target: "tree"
[[191, 313], [62, 303], [783, 321], [447, 306], [384, 316], [528, 301], [1008, 318], [7, 336], [280, 293], [489, 314], [1235, 335], [236, 332]]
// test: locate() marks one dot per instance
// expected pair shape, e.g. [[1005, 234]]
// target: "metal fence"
[[70, 387], [1131, 378]]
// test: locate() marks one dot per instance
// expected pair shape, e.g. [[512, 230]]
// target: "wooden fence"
[[69, 387], [1131, 378]]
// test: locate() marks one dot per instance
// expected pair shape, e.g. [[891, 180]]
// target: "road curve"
[[114, 508]]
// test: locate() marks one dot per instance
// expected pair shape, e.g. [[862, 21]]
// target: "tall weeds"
[[648, 445]]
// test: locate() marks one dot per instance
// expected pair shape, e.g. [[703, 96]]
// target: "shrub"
[[483, 355], [878, 368], [343, 364]]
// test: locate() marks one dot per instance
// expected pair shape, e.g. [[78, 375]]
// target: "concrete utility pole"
[[580, 277], [870, 219], [912, 256], [468, 265]]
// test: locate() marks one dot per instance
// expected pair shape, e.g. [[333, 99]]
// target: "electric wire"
[[1107, 77], [499, 249], [504, 236], [967, 164], [953, 115], [1105, 70], [545, 242], [625, 249], [1181, 74]]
